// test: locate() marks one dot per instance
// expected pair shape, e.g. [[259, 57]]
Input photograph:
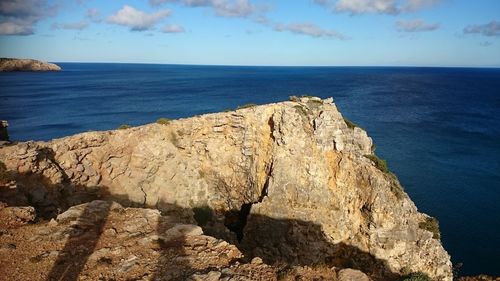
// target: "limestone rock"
[[290, 180], [352, 275], [14, 216], [7, 64]]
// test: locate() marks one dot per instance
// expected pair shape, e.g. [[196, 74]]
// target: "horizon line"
[[270, 65]]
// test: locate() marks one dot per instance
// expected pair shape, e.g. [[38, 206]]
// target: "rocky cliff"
[[7, 65], [290, 183]]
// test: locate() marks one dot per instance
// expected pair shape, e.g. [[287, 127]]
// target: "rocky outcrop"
[[103, 241], [8, 65], [290, 183]]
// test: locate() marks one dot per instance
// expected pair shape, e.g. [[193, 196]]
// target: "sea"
[[438, 128]]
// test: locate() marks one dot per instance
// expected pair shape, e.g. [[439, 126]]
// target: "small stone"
[[257, 260], [128, 264], [181, 230], [352, 275], [53, 223], [211, 276]]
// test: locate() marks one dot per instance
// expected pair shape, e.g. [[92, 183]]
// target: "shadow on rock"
[[182, 251], [82, 239]]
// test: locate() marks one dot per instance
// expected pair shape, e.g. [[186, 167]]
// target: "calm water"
[[438, 128]]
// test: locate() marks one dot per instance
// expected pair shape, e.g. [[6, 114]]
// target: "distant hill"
[[9, 64]]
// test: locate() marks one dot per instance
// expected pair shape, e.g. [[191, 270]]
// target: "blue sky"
[[255, 32]]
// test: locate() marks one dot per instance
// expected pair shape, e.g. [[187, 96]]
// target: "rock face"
[[7, 65], [290, 183]]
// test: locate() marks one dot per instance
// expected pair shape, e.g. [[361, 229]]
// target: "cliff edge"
[[290, 183], [10, 65]]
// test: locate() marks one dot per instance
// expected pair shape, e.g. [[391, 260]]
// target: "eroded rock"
[[290, 179]]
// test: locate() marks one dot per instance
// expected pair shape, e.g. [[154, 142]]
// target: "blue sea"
[[438, 128]]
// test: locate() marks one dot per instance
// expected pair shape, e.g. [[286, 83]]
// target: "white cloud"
[[367, 6], [223, 8], [172, 28], [417, 25], [137, 20], [489, 29], [376, 6]]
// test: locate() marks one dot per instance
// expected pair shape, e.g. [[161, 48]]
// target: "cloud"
[[223, 8], [94, 15], [367, 6], [489, 29], [13, 28], [71, 26], [415, 5], [415, 26], [392, 7], [303, 28], [18, 17], [309, 29], [137, 20], [172, 28]]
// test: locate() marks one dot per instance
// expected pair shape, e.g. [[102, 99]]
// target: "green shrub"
[[431, 224], [248, 105], [163, 121], [314, 103], [417, 276], [202, 215], [124, 127], [350, 124], [294, 98], [381, 164]]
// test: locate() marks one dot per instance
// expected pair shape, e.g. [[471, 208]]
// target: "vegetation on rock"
[[248, 105], [124, 127], [163, 121], [431, 224], [350, 124], [381, 164]]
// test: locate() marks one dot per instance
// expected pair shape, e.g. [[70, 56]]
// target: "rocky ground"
[[104, 241]]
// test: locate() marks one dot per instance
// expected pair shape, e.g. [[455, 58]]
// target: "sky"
[[255, 32]]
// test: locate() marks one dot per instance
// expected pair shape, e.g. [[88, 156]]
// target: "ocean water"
[[438, 128]]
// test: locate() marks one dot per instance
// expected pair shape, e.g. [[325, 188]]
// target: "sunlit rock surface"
[[289, 183]]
